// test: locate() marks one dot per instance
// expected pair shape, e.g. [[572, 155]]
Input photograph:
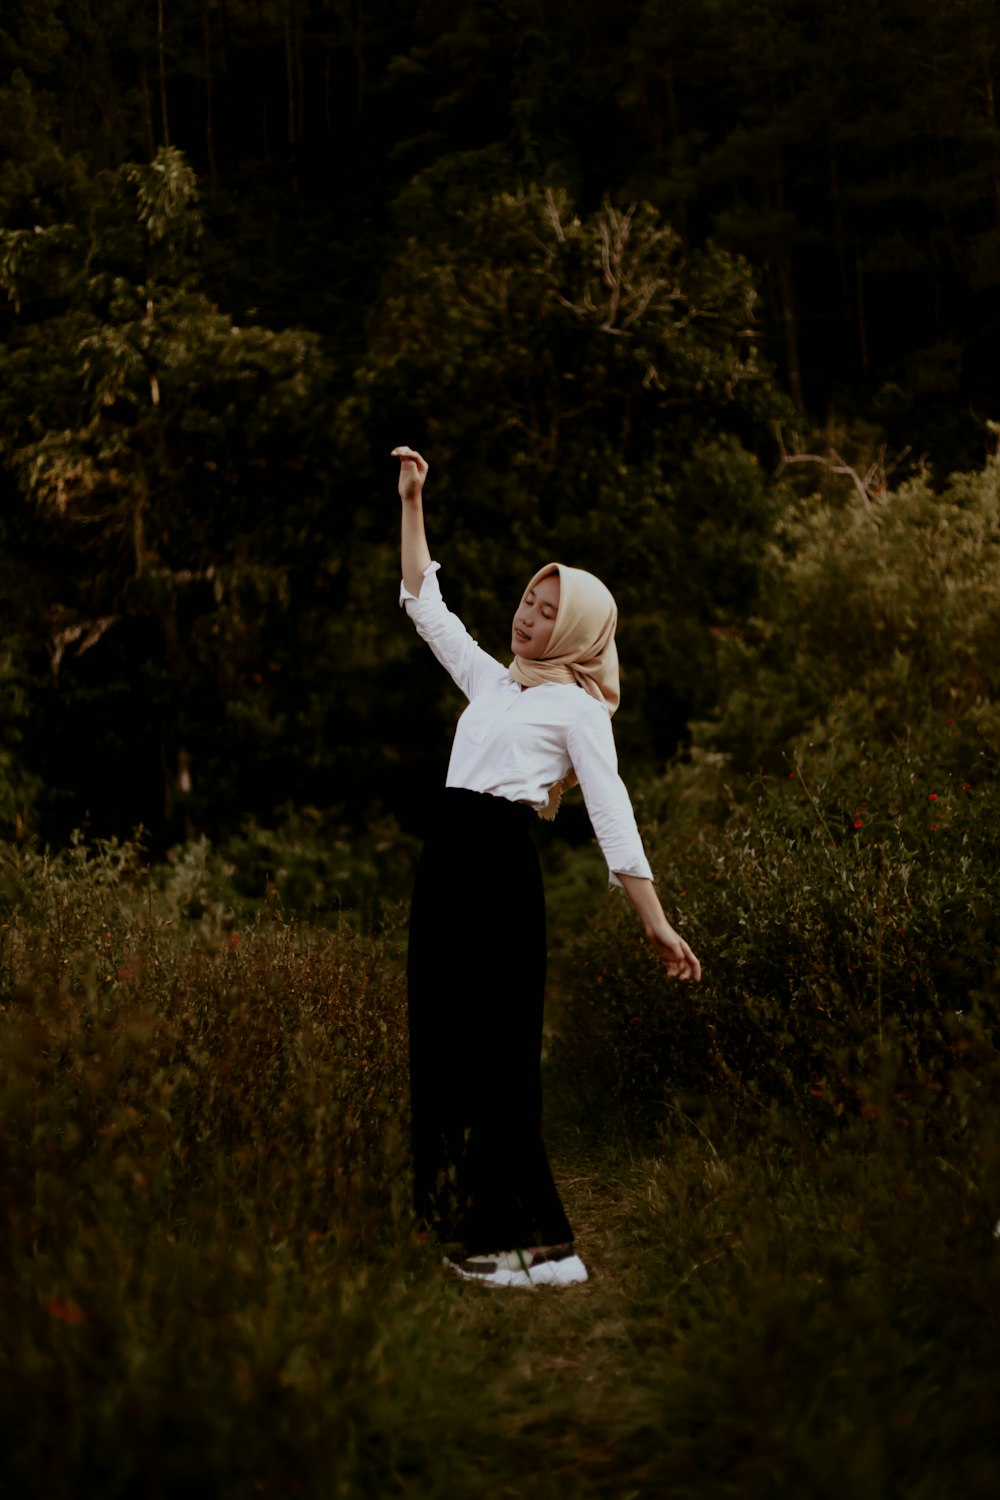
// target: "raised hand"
[[412, 473]]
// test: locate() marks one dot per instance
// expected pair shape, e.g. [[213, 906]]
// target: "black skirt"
[[476, 983]]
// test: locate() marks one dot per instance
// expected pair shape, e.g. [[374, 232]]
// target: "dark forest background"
[[612, 267]]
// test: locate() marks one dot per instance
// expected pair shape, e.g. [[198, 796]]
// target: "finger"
[[682, 963], [409, 454], [692, 969]]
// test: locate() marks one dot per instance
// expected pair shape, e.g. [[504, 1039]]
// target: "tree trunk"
[[300, 81], [147, 113], [209, 100], [164, 115], [839, 234], [789, 321], [290, 71], [674, 129], [991, 116], [359, 60], [774, 201]]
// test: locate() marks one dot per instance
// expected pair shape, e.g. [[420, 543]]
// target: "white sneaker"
[[521, 1268]]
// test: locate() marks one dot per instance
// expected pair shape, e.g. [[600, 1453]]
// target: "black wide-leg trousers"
[[476, 983]]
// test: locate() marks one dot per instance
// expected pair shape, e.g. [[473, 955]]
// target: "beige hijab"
[[581, 649]]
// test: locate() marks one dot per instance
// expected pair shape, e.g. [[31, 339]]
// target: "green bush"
[[849, 947], [872, 620], [830, 850]]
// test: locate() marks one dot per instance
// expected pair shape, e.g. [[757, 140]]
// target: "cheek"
[[542, 637]]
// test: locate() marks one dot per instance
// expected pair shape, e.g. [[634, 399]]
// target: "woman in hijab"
[[477, 948]]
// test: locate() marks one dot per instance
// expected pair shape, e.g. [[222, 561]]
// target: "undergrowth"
[[785, 1181], [212, 1282]]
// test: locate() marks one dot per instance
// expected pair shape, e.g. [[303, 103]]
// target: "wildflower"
[[64, 1312], [934, 828], [967, 787], [859, 822], [932, 797]]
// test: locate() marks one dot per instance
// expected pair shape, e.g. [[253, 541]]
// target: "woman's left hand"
[[680, 961]]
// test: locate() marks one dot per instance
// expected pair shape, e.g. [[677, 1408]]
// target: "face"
[[534, 618]]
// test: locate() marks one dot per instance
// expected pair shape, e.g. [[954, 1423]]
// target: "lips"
[[519, 635]]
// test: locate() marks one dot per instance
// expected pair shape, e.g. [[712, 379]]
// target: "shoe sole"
[[568, 1272]]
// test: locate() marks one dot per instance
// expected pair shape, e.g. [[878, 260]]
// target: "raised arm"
[[415, 554]]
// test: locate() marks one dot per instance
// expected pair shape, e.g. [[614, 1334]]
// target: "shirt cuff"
[[428, 573], [641, 871]]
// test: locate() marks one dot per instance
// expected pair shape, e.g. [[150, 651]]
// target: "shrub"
[[193, 1072], [845, 904], [849, 946]]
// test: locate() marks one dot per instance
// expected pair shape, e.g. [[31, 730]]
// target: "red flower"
[[859, 822], [64, 1312], [934, 828], [932, 797]]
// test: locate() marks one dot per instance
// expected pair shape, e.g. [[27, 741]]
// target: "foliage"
[[17, 786], [875, 621], [319, 868], [222, 246], [173, 459], [850, 153], [248, 1020], [847, 926], [210, 1271], [585, 388], [845, 901], [416, 217]]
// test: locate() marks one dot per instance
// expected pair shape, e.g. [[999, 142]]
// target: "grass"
[[212, 1284]]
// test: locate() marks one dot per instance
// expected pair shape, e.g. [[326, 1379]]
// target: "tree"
[[584, 388], [168, 478]]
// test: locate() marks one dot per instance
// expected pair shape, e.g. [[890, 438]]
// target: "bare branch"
[[869, 486]]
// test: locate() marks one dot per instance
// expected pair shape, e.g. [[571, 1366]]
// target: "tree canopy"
[[588, 258]]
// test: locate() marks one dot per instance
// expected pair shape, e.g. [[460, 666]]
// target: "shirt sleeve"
[[591, 746], [470, 667]]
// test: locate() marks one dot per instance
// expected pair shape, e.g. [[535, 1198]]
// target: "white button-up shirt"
[[518, 742]]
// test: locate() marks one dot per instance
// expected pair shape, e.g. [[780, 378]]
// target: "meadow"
[[785, 1181], [212, 1281]]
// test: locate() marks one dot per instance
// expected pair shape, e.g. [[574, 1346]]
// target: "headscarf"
[[581, 649]]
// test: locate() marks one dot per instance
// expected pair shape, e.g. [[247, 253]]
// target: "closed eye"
[[548, 610]]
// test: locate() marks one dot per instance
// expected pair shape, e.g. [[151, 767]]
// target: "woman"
[[477, 953]]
